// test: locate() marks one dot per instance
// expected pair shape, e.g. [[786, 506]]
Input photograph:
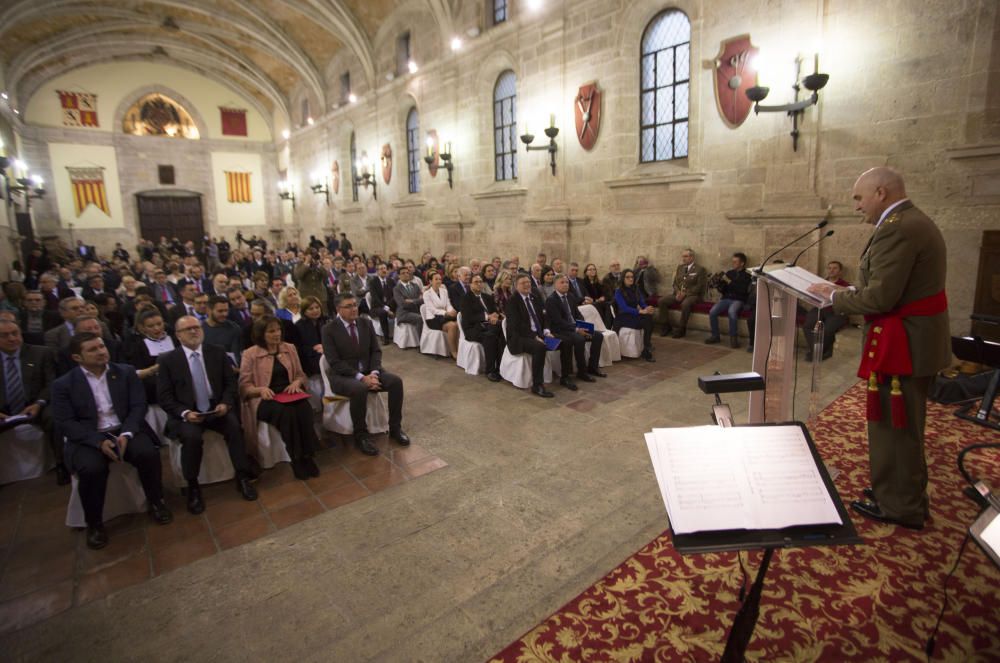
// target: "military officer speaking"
[[901, 293]]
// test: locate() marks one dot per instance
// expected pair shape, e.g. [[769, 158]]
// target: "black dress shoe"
[[678, 334], [62, 475], [195, 503], [246, 489], [299, 469], [542, 391], [493, 377], [160, 512], [734, 342], [365, 446], [312, 469], [585, 377], [874, 511], [401, 438], [869, 495], [97, 538], [568, 383], [255, 469], [666, 330], [647, 356], [712, 340], [598, 372]]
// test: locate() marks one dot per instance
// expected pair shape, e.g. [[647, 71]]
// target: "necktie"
[[15, 390], [163, 291], [569, 311], [354, 333], [200, 383], [534, 317]]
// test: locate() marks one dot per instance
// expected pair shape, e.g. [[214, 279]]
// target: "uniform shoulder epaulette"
[[893, 218]]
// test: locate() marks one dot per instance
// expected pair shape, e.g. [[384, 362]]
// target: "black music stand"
[[768, 539]]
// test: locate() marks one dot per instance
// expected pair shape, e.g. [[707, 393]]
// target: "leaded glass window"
[[413, 149], [665, 74], [505, 126]]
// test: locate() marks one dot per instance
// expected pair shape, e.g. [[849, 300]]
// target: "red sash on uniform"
[[887, 353]]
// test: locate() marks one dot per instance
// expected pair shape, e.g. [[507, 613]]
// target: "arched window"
[[665, 73], [413, 149], [505, 126], [354, 169]]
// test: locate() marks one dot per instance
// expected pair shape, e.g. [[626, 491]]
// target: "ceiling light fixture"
[[353, 98], [456, 44], [412, 66], [286, 134]]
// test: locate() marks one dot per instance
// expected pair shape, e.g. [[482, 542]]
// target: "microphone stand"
[[795, 262], [821, 224]]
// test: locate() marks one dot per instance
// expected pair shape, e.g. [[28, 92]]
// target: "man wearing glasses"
[[196, 387]]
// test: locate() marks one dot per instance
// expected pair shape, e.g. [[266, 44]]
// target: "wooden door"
[[170, 216]]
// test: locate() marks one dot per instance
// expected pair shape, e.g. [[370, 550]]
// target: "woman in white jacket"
[[439, 313]]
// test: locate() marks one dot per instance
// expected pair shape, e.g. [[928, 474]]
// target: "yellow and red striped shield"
[[238, 187], [88, 189]]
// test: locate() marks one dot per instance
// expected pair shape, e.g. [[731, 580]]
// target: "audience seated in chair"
[[100, 408], [440, 313], [832, 322], [142, 349], [220, 330], [380, 287], [632, 312], [689, 287], [310, 341], [735, 289], [409, 298], [197, 389], [562, 315], [354, 355], [481, 324], [526, 331]]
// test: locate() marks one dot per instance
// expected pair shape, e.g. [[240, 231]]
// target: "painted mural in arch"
[[158, 115]]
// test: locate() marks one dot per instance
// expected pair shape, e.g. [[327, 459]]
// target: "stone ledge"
[[416, 202], [453, 223], [500, 193], [568, 220], [653, 180], [974, 151], [780, 218], [354, 209]]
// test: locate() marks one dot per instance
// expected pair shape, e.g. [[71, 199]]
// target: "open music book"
[[744, 477], [799, 280]]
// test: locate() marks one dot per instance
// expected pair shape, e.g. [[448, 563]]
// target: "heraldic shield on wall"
[[587, 109], [734, 74]]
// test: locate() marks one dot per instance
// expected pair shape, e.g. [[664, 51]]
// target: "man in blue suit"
[[100, 409]]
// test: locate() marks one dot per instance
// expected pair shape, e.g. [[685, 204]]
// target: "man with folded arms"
[[101, 409], [408, 300], [481, 324], [196, 387], [562, 314], [352, 350], [526, 331]]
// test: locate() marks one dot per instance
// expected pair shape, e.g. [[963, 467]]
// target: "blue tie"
[[200, 383], [15, 390], [534, 316]]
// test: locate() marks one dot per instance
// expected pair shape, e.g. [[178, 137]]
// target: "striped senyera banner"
[[238, 187], [89, 189]]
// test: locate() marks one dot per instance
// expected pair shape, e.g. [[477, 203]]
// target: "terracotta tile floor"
[[46, 567]]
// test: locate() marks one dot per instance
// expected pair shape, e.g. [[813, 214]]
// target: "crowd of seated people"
[[237, 347]]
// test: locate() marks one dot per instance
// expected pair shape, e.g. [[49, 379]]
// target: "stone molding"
[[988, 151], [500, 193], [780, 218], [627, 181], [416, 202]]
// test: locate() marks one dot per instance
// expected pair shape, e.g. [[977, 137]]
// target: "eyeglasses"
[[188, 329], [348, 306]]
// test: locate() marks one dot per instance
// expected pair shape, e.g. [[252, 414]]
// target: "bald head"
[[876, 190]]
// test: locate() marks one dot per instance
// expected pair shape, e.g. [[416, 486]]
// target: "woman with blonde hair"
[[503, 287], [289, 304]]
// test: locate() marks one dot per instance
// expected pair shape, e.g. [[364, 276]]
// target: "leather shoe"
[[299, 469], [678, 334], [97, 538], [874, 511], [712, 340], [568, 383], [246, 489], [365, 446], [62, 475], [402, 439], [195, 502], [598, 372], [734, 342], [312, 469], [493, 377], [869, 495], [542, 391], [585, 377], [647, 356], [666, 330], [160, 512]]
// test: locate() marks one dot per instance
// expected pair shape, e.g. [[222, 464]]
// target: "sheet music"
[[156, 348], [799, 280], [991, 535], [714, 478]]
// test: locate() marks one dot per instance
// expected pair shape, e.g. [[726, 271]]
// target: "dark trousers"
[[91, 468], [574, 344], [295, 423], [191, 436], [686, 305], [491, 337], [536, 348], [55, 441], [358, 392], [643, 322], [383, 317], [832, 323]]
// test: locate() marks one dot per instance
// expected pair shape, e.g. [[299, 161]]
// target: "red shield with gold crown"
[[587, 109], [734, 74]]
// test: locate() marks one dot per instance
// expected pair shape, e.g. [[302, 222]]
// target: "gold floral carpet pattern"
[[872, 602]]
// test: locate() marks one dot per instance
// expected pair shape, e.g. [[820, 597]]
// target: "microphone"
[[794, 262], [821, 224]]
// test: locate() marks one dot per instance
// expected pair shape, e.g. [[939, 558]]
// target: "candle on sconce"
[[447, 147], [552, 120], [430, 147], [527, 131], [816, 62]]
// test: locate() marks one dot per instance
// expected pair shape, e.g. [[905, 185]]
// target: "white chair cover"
[[516, 369], [216, 466], [24, 453], [432, 341], [157, 420], [315, 389], [337, 409], [471, 355], [405, 335], [631, 342], [611, 349], [124, 495], [553, 363], [270, 447], [376, 323]]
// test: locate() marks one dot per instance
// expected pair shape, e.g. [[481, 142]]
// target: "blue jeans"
[[733, 306]]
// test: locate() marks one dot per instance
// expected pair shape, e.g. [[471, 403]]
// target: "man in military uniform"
[[901, 294], [689, 287]]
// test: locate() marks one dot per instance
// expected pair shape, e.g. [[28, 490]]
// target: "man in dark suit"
[[526, 331], [239, 309], [36, 319], [70, 309], [64, 362], [193, 380], [457, 290], [28, 371], [380, 286], [481, 324], [196, 277], [355, 361], [163, 290], [100, 409], [85, 252], [95, 286], [187, 293], [408, 300], [562, 314]]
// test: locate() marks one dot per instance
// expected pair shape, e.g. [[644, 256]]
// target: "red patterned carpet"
[[872, 602]]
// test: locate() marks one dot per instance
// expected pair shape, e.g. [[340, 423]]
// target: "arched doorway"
[[171, 214]]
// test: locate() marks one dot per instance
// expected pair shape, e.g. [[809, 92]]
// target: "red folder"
[[290, 398]]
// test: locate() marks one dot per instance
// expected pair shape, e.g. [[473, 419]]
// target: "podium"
[[780, 291]]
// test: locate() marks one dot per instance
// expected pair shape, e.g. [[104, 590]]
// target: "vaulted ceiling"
[[267, 48]]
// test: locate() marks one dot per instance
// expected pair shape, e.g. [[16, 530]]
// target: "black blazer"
[[75, 411], [64, 362], [156, 290], [519, 321], [343, 355], [235, 316], [556, 314], [310, 334], [50, 320], [37, 373], [381, 297], [174, 387], [473, 313], [456, 294]]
